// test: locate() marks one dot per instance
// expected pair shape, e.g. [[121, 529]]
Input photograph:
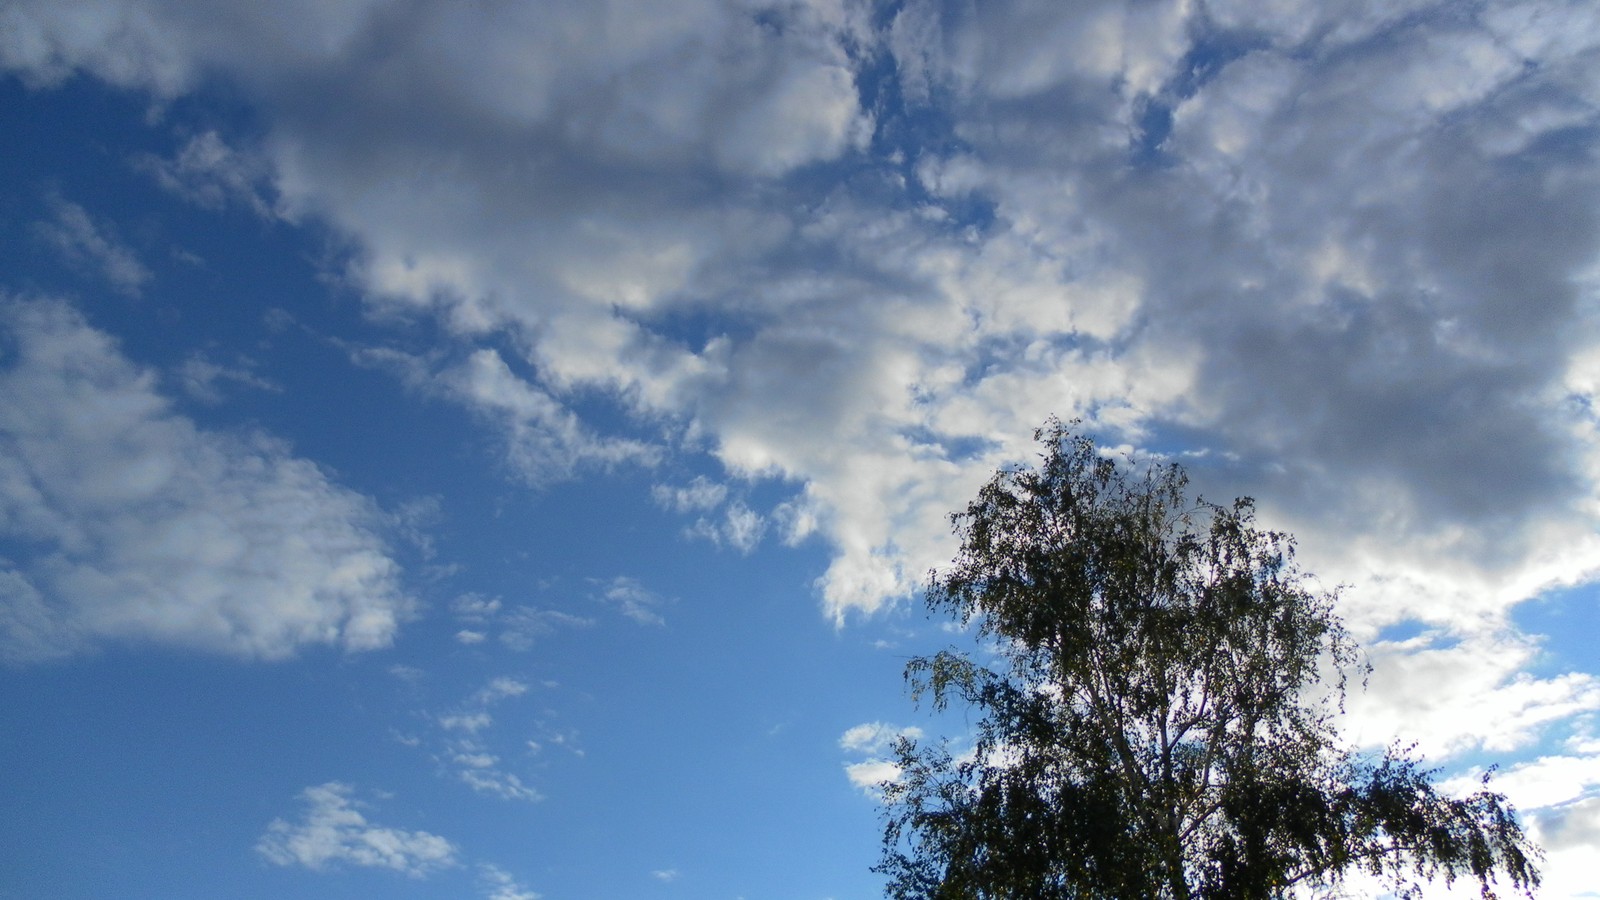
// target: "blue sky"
[[492, 450]]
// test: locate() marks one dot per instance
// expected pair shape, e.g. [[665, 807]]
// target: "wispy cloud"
[[91, 246], [699, 495], [463, 742], [208, 172], [500, 885], [631, 598], [517, 627], [202, 378], [333, 830]]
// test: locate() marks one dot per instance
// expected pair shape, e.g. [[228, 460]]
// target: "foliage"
[[1162, 723]]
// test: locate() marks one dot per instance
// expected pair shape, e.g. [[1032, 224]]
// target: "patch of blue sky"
[[956, 448], [1211, 51], [1565, 621]]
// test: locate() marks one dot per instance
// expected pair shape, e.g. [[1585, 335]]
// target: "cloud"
[[499, 689], [1570, 836], [1343, 254], [543, 440], [739, 526], [211, 174], [875, 737], [500, 885], [333, 830], [1545, 783], [517, 627], [870, 775], [91, 247], [480, 773], [699, 495], [200, 378], [633, 600], [130, 523], [873, 740], [1454, 696], [464, 744]]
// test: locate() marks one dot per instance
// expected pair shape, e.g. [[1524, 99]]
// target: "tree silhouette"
[[1161, 723]]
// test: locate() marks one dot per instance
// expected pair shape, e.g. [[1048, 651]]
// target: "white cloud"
[[873, 740], [92, 246], [699, 495], [475, 608], [1317, 276], [743, 527], [1455, 696], [132, 524], [333, 830], [872, 774], [1570, 836], [522, 626], [543, 440], [212, 174], [1543, 783], [633, 600], [665, 875], [470, 722], [499, 689], [875, 737], [517, 627], [487, 779], [739, 527], [500, 885], [464, 744]]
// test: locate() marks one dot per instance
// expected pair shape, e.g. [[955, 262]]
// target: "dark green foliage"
[[1162, 727]]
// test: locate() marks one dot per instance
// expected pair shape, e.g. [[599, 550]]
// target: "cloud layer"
[[1343, 256], [1347, 256]]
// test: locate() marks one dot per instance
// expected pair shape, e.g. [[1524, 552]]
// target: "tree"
[[1160, 724]]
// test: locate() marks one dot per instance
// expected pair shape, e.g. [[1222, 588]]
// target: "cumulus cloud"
[[127, 522], [333, 830]]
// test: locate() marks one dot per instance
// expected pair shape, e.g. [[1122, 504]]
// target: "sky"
[[493, 449]]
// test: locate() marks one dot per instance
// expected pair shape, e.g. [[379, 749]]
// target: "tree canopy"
[[1159, 719]]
